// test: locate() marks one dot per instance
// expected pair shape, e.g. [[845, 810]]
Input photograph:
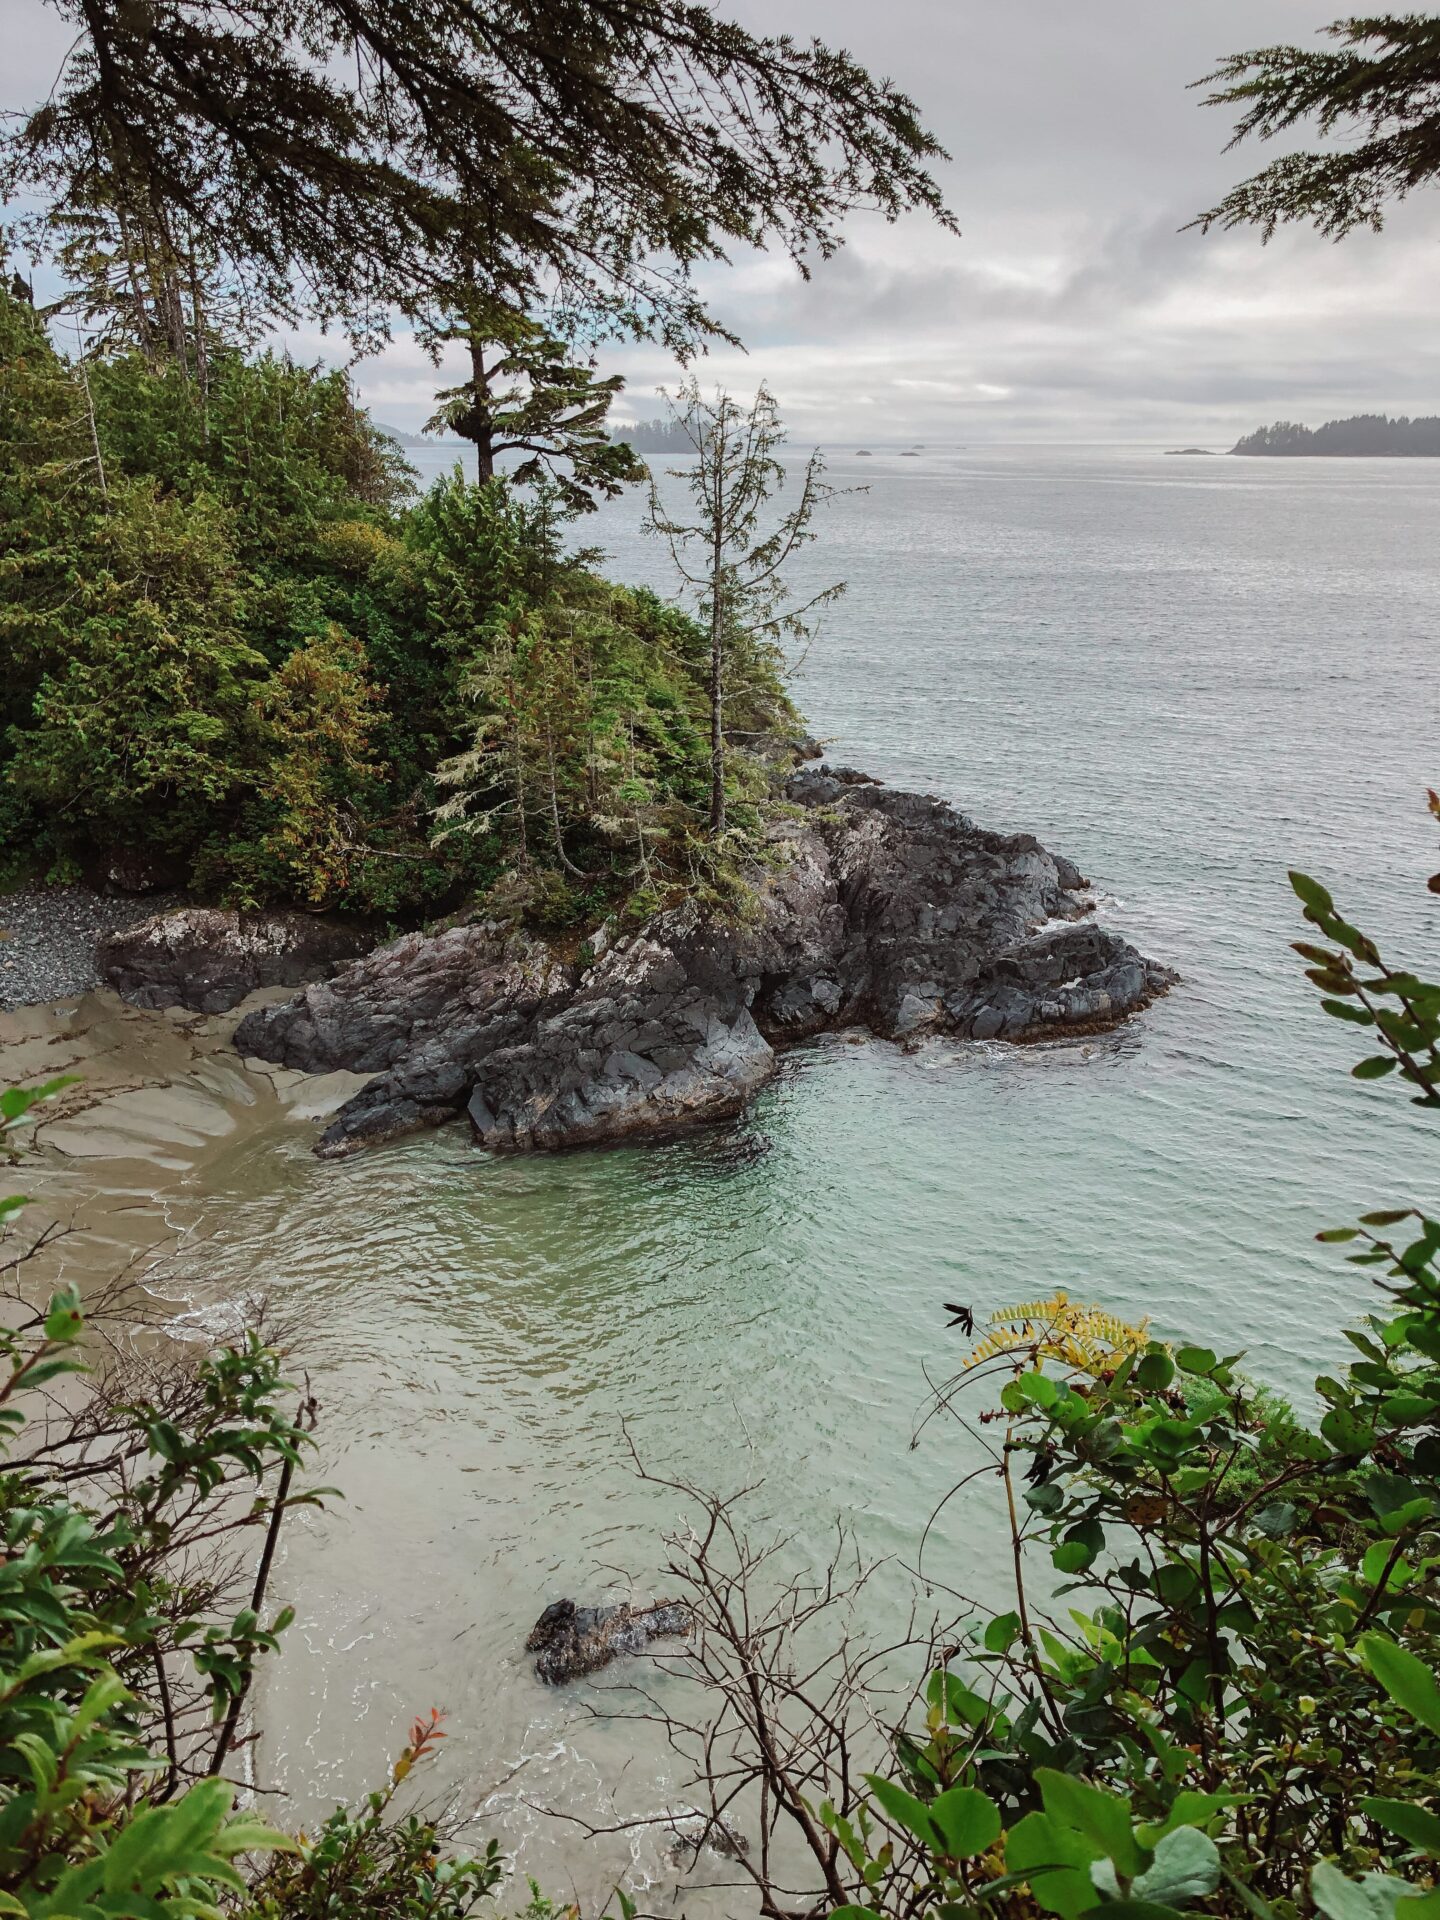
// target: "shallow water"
[[1187, 675]]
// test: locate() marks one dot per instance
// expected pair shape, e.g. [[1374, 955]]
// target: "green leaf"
[[1081, 1547], [905, 1810], [1071, 1556], [64, 1320], [1102, 1818], [1186, 1867], [1372, 1898], [1196, 1360], [1404, 1409], [1415, 1824], [252, 1836], [1056, 1860], [1311, 893], [1038, 1389], [1339, 1010], [1001, 1631], [1407, 1680], [1375, 1067], [1155, 1371], [1047, 1498], [1276, 1520], [968, 1819], [960, 1704], [1190, 1808], [1347, 1433]]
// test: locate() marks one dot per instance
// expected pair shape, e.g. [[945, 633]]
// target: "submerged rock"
[[876, 908], [209, 958], [569, 1641]]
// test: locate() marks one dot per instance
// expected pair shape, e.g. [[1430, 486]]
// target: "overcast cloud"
[[1071, 307]]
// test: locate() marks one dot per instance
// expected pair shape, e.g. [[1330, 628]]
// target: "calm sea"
[[1186, 674]]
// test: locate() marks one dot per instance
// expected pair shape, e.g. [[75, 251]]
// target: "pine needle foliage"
[[244, 654], [1377, 89], [337, 154]]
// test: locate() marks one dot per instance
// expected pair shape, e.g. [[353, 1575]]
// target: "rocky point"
[[873, 907]]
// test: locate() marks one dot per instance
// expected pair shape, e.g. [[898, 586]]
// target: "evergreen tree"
[[139, 733], [49, 497], [333, 150], [1380, 88], [727, 555], [527, 395]]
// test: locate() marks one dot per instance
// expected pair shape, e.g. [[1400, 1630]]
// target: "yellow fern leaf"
[[1084, 1337]]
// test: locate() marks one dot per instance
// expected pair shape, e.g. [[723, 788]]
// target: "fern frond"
[[1080, 1335]]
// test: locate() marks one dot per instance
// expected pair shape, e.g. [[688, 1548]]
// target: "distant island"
[[1174, 450], [1364, 433], [404, 439], [653, 436]]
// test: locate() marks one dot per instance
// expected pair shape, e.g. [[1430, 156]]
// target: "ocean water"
[[1186, 674]]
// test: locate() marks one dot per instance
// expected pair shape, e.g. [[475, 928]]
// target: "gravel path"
[[48, 937]]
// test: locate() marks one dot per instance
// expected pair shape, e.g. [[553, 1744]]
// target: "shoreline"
[[49, 937]]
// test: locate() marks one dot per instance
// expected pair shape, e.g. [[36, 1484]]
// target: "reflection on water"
[[1173, 680]]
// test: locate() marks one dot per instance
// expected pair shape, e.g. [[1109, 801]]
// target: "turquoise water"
[[1185, 675]]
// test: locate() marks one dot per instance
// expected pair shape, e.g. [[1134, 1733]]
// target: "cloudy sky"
[[1071, 307]]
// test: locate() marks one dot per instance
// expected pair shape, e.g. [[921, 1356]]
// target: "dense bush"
[[241, 648]]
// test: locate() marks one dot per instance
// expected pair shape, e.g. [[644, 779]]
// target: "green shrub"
[[239, 642]]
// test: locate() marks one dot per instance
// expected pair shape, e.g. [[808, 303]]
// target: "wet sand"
[[115, 1164]]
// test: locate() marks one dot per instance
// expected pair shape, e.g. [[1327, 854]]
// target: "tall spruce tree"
[[50, 499], [731, 557], [528, 394]]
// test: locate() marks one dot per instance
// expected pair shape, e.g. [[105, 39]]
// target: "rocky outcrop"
[[209, 958], [873, 907], [569, 1641], [421, 1014]]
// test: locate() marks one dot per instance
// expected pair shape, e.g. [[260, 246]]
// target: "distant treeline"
[[1366, 433], [654, 436]]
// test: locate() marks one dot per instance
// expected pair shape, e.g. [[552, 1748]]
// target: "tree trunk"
[[522, 847], [94, 427], [565, 860], [717, 700], [479, 420], [202, 358], [137, 294]]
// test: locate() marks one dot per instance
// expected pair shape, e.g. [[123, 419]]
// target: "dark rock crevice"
[[879, 908]]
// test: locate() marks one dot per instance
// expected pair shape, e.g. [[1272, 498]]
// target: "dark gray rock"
[[569, 1641], [422, 1013], [209, 958], [879, 908]]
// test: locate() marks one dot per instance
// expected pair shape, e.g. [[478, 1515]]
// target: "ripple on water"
[[1159, 678]]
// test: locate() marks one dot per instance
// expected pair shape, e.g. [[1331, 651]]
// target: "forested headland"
[[245, 655], [1361, 435], [655, 436]]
